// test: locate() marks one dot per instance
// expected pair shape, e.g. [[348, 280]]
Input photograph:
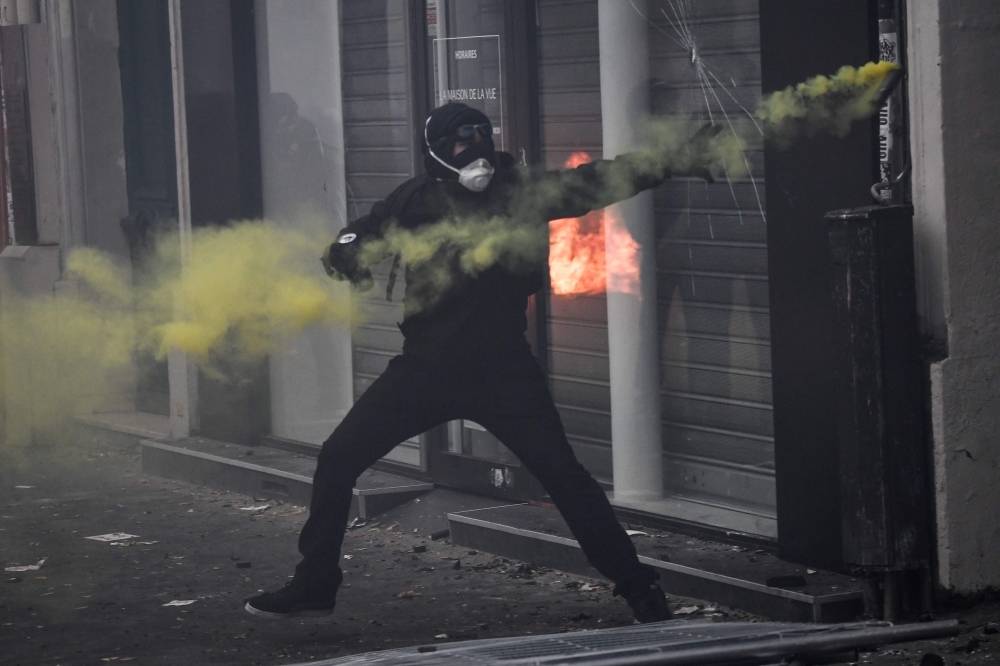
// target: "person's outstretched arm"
[[575, 192], [355, 250]]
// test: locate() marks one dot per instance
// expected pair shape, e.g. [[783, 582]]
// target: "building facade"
[[696, 387]]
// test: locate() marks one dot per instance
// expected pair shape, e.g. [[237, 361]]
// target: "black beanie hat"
[[438, 133]]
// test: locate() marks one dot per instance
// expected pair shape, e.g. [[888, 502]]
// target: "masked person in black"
[[465, 355]]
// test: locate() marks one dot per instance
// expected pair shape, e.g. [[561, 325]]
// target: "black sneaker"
[[649, 604], [291, 601]]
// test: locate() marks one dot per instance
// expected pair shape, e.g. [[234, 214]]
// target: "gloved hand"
[[342, 262]]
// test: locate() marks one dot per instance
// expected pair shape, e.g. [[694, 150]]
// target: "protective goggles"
[[466, 132]]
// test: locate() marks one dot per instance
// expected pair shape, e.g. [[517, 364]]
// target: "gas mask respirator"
[[474, 176]]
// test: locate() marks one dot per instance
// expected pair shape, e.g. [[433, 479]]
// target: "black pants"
[[513, 404]]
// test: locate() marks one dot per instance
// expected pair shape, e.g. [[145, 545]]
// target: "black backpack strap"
[[395, 207], [393, 272]]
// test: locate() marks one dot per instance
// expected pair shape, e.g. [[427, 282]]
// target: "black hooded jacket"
[[474, 319]]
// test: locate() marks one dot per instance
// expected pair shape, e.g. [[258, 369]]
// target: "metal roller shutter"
[[712, 266], [379, 156], [712, 257], [570, 110]]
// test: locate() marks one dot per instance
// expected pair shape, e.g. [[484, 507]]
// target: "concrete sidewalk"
[[92, 602]]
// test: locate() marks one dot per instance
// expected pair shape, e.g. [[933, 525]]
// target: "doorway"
[[474, 58], [151, 173]]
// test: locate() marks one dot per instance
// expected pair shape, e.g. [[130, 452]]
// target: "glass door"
[[468, 63], [470, 58]]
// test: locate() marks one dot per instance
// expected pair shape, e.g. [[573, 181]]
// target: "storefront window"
[[302, 160]]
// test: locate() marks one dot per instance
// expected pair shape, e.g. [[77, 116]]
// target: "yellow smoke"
[[250, 284], [247, 286], [468, 245], [676, 145], [519, 241], [71, 352], [823, 103]]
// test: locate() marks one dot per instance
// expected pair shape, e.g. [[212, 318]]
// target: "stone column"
[[632, 326], [181, 372]]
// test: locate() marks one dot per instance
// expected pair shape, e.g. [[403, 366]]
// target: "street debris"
[[23, 487], [587, 587], [636, 533], [441, 636], [409, 594], [244, 565], [297, 511], [440, 534], [686, 610], [420, 549], [178, 602], [127, 544], [970, 645], [30, 567], [356, 523], [348, 557], [255, 509], [112, 537], [457, 565]]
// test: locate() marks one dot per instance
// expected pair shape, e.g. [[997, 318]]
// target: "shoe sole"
[[319, 612]]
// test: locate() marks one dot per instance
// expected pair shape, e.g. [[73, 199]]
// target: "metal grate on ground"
[[681, 643]]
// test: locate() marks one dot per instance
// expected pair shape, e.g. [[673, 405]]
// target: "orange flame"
[[580, 256], [622, 256]]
